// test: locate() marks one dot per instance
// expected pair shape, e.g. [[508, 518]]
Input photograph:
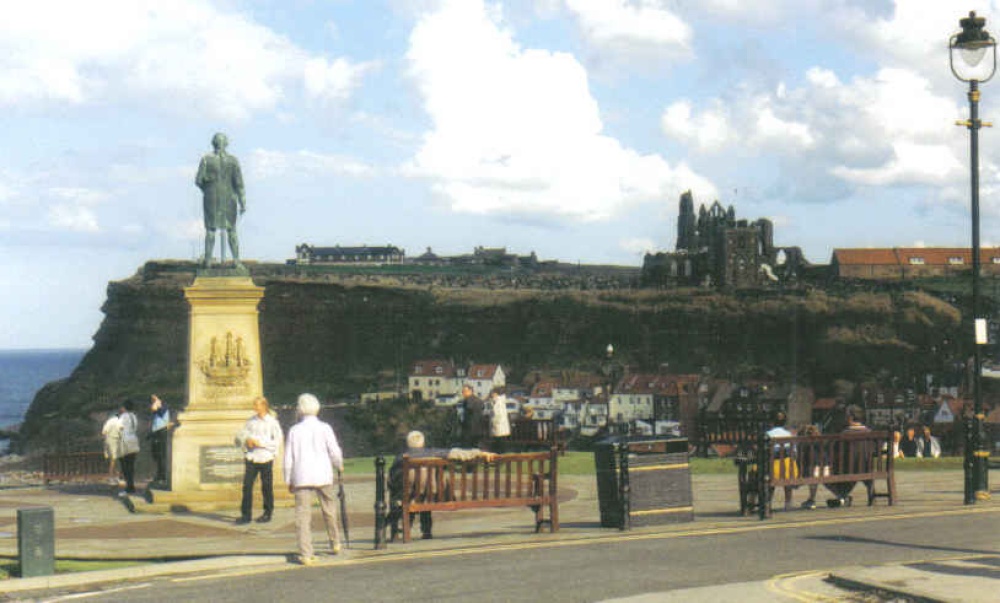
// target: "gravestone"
[[36, 541]]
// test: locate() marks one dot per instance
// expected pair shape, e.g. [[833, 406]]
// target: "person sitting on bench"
[[415, 449], [857, 458]]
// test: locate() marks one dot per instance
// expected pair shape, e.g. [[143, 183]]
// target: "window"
[[917, 261], [995, 259], [439, 370], [956, 260]]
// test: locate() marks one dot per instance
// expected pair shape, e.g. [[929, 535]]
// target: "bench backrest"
[[853, 456], [508, 476], [537, 432]]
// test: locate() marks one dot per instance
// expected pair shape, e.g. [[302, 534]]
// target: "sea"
[[22, 374]]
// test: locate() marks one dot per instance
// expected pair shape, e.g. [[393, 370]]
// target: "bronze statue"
[[221, 182]]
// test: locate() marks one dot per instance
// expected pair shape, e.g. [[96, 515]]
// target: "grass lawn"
[[582, 463], [10, 568]]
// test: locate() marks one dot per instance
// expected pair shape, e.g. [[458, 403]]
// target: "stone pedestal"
[[223, 378]]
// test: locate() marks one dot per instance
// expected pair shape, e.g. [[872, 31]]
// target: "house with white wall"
[[484, 377], [433, 379]]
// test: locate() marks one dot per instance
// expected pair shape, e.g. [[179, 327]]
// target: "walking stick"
[[343, 509]]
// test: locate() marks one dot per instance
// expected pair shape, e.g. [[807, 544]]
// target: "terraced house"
[[902, 263]]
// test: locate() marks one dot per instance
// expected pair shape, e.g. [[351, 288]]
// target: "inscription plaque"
[[36, 541], [221, 464]]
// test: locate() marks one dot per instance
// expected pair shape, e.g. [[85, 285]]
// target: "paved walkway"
[[92, 523]]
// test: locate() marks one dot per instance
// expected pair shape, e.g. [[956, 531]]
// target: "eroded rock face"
[[338, 334]]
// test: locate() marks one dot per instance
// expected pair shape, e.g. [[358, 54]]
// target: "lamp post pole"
[[971, 46], [978, 465]]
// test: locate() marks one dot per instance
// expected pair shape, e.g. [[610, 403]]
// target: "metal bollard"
[[380, 506], [624, 486]]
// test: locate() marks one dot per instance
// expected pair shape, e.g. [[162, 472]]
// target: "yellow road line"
[[661, 511], [658, 467], [783, 584], [605, 539]]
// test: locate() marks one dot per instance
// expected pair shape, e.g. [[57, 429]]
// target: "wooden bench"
[[74, 467], [842, 458], [525, 479], [527, 434]]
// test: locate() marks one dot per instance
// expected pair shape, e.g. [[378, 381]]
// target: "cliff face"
[[336, 335]]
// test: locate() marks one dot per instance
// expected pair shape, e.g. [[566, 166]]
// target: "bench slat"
[[518, 480]]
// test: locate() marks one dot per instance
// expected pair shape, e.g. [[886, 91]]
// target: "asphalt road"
[[617, 566]]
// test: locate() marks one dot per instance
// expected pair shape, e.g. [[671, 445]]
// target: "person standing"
[[261, 437], [473, 418], [112, 434], [311, 454], [129, 444], [159, 430], [499, 421]]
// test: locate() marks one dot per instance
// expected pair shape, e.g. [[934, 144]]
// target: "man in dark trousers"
[[159, 430], [261, 437], [473, 419]]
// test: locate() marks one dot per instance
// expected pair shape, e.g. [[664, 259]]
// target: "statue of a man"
[[220, 180]]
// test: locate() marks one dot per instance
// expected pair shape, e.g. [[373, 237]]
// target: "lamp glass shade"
[[972, 56], [973, 62], [972, 44]]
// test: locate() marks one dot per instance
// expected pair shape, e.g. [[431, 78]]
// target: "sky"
[[564, 127]]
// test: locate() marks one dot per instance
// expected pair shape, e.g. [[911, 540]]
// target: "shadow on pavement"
[[909, 545]]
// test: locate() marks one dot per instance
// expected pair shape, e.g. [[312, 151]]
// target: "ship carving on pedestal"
[[227, 368]]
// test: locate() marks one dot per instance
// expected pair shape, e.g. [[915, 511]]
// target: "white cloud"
[[78, 195], [75, 218], [188, 230], [336, 80], [273, 164], [884, 130], [708, 130], [188, 56], [769, 128], [637, 245], [818, 77], [516, 130], [910, 164], [628, 27]]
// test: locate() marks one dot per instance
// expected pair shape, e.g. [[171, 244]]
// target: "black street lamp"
[[971, 46]]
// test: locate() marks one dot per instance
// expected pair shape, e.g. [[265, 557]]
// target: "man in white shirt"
[[261, 437], [311, 455]]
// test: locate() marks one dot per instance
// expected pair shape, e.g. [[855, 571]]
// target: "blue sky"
[[564, 127]]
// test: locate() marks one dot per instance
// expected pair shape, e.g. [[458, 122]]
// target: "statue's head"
[[219, 141]]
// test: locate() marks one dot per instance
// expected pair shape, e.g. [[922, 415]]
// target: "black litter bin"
[[658, 476]]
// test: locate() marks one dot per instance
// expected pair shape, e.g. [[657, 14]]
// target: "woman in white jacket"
[[311, 453], [499, 421], [129, 444]]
